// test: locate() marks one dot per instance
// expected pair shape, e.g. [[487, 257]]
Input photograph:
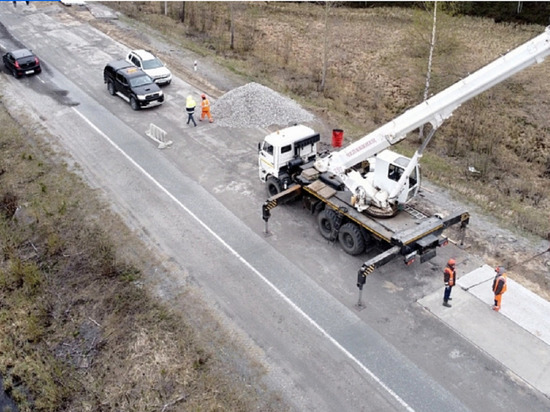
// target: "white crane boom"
[[441, 106]]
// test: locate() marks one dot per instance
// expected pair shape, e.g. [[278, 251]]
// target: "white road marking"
[[252, 268]]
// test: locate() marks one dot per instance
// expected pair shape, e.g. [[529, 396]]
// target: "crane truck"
[[363, 192]]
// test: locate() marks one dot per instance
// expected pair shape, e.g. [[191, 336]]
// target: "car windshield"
[[152, 64], [140, 81]]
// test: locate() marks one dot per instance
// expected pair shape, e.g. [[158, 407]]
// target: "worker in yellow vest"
[[190, 109], [205, 106], [499, 286]]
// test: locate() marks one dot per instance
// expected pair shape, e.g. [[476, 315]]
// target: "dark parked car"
[[22, 61], [132, 84]]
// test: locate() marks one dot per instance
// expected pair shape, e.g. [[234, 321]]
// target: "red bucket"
[[337, 137]]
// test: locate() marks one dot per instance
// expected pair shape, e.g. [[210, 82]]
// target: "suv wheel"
[[14, 72], [111, 88], [134, 103]]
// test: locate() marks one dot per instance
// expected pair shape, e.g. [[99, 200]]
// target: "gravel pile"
[[254, 105]]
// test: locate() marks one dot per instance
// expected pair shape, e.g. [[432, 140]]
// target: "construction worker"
[[190, 109], [499, 286], [449, 277], [205, 106]]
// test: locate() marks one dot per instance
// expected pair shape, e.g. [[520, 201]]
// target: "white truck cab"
[[290, 146]]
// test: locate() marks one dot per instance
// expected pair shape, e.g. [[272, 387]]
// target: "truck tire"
[[273, 186], [351, 239], [327, 220], [111, 88], [133, 103]]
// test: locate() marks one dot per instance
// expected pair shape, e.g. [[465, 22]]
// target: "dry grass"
[[79, 331]]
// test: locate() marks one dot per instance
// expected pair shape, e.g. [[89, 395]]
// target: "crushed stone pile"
[[254, 105]]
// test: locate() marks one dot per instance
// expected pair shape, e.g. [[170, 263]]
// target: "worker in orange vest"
[[449, 277], [499, 286], [205, 105]]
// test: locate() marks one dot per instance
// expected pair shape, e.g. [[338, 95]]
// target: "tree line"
[[518, 12]]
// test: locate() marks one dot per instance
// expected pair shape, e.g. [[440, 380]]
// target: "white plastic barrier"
[[158, 135]]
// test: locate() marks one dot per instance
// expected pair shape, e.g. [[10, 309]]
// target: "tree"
[[430, 59], [182, 14], [325, 48], [231, 26]]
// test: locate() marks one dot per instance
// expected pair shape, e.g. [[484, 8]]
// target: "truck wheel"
[[111, 88], [327, 221], [273, 186], [351, 239]]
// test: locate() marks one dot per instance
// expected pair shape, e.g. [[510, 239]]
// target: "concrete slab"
[[99, 11], [503, 335], [519, 304]]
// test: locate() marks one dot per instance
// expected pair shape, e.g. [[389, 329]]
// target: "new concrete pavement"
[[518, 336]]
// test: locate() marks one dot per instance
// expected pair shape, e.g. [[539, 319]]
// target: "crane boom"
[[441, 106]]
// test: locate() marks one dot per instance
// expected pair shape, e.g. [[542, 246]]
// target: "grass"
[[79, 330]]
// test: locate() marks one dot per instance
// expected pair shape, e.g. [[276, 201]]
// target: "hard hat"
[[451, 262], [203, 96], [500, 270]]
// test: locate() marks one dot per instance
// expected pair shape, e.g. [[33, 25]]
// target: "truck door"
[[414, 184], [266, 160], [121, 85]]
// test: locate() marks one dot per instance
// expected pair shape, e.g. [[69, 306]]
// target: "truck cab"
[[282, 151], [388, 169]]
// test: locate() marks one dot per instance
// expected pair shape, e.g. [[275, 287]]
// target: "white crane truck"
[[361, 192]]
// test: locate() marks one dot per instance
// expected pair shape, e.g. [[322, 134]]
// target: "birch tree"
[[325, 48], [430, 60]]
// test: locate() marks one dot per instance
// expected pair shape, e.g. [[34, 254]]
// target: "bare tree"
[[325, 48], [182, 14], [231, 26], [430, 59]]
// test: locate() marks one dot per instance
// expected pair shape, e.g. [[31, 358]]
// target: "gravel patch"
[[254, 105]]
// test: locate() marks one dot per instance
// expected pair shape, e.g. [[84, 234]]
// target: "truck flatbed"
[[404, 228]]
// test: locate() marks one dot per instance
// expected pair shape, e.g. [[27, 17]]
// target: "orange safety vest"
[[449, 276], [205, 104], [499, 284]]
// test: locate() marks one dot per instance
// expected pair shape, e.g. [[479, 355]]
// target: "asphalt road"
[[289, 297]]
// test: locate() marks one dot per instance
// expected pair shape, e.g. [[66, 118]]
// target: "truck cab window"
[[394, 172]]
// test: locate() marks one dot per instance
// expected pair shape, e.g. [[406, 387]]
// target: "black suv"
[[132, 84]]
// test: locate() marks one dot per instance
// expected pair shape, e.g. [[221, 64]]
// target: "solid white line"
[[253, 269]]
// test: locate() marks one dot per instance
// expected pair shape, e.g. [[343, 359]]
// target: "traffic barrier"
[[158, 135]]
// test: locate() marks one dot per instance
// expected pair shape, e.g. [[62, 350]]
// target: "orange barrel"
[[337, 137]]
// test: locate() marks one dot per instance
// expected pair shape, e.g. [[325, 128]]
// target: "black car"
[[132, 84], [21, 62]]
